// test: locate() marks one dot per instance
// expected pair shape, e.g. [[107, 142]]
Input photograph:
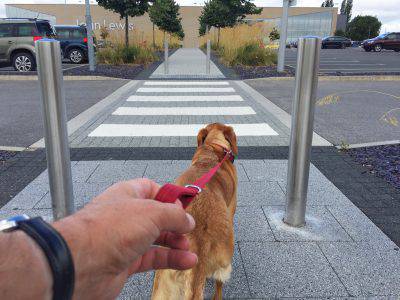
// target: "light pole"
[[283, 33], [89, 30]]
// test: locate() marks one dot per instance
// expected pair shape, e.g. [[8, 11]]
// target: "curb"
[[68, 77], [339, 78]]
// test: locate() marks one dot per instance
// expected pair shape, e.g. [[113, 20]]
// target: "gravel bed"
[[4, 155], [383, 161], [248, 72], [122, 71]]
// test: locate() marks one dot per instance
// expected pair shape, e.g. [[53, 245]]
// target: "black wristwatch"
[[54, 247]]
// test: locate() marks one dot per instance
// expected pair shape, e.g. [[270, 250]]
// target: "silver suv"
[[17, 41]]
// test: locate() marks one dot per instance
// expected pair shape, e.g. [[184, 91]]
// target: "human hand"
[[113, 237]]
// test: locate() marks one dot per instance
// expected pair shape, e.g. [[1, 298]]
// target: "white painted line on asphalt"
[[180, 98], [184, 111], [136, 130], [186, 83], [15, 149], [381, 143], [349, 64], [186, 90], [366, 70]]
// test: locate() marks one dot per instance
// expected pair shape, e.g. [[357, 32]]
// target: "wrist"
[[25, 266]]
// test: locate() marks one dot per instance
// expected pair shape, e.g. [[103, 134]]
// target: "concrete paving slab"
[[289, 270], [251, 225], [28, 197], [366, 269], [257, 193], [320, 225], [113, 171]]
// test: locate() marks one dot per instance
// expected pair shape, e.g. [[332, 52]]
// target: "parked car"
[[389, 41], [73, 42], [336, 42], [17, 41]]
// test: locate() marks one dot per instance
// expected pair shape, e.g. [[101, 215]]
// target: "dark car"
[[389, 41], [73, 42], [336, 42], [17, 41]]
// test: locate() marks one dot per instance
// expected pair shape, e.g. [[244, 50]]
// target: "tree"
[[348, 9], [126, 9], [363, 27], [327, 3], [225, 13], [165, 14], [340, 32], [343, 7], [274, 34]]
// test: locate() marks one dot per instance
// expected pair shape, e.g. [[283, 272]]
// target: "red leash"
[[169, 192]]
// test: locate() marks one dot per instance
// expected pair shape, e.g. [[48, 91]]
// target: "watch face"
[[12, 223]]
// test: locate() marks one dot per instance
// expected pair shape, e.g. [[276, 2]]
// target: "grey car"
[[17, 41]]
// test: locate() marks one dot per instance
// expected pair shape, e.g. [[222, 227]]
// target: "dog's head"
[[218, 134]]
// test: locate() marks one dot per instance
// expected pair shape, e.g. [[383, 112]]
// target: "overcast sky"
[[388, 11]]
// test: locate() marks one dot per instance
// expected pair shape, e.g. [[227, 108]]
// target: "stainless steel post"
[[55, 127], [208, 62], [89, 29], [283, 36], [166, 58], [302, 129]]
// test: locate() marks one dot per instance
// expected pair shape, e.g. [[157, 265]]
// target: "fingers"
[[173, 240], [164, 258], [171, 217]]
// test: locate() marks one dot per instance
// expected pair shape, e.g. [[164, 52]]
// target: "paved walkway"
[[187, 63], [340, 253]]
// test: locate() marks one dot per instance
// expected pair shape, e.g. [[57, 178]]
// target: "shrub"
[[120, 54], [252, 54]]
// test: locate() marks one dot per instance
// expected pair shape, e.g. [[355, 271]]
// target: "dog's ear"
[[231, 138], [201, 136]]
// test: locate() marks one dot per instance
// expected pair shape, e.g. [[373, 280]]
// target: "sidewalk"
[[187, 63], [340, 253]]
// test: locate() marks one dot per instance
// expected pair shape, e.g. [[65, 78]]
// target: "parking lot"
[[352, 60]]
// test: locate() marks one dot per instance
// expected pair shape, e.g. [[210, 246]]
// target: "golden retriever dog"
[[213, 209]]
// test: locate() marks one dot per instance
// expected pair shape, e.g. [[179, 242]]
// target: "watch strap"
[[57, 252]]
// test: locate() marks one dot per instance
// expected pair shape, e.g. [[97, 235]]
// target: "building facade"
[[319, 21]]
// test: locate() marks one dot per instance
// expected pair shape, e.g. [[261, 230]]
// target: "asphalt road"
[[352, 60], [21, 122], [352, 112]]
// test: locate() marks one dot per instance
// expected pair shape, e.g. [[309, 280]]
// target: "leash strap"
[[169, 192]]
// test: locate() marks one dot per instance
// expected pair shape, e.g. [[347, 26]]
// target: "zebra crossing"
[[207, 93]]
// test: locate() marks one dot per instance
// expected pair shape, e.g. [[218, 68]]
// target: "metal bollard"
[[166, 58], [55, 127], [302, 129], [208, 62]]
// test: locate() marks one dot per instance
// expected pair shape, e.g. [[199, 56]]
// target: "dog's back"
[[212, 239]]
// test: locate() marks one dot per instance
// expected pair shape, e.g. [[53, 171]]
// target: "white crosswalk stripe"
[[139, 130], [188, 98], [183, 83], [188, 111], [186, 90]]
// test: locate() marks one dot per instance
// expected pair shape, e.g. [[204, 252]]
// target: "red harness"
[[168, 193]]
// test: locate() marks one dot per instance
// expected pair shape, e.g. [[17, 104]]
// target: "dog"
[[213, 210]]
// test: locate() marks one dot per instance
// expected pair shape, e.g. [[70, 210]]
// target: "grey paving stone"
[[47, 214], [114, 171], [320, 225], [28, 197], [138, 286], [251, 225], [165, 171], [257, 193], [365, 269], [289, 270], [83, 193], [237, 287], [80, 171], [269, 170], [358, 225]]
